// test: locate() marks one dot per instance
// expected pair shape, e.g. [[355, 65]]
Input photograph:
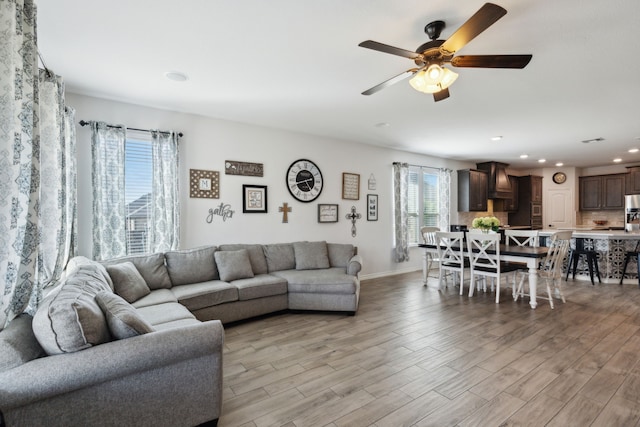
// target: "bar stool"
[[631, 254], [574, 257]]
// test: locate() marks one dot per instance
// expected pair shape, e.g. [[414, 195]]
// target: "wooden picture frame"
[[327, 213], [372, 207], [350, 186], [204, 184], [254, 198]]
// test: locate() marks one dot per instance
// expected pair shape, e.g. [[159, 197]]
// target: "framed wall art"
[[233, 167], [350, 186], [204, 184], [372, 207], [254, 198], [327, 213]]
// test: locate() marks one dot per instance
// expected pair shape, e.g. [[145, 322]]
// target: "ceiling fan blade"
[[391, 81], [381, 47], [486, 16], [491, 61], [439, 96]]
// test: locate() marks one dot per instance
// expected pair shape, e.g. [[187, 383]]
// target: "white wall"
[[208, 142]]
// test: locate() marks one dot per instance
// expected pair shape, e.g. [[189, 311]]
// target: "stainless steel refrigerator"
[[632, 212]]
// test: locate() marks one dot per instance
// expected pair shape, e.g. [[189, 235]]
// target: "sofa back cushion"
[[256, 256], [279, 256], [233, 265], [69, 318], [311, 255], [122, 319], [340, 254], [18, 344], [191, 265], [151, 267], [127, 281]]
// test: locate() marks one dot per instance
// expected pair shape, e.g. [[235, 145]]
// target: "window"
[[138, 179], [423, 201]]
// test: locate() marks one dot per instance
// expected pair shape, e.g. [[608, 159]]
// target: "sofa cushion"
[[233, 265], [81, 262], [256, 256], [311, 255], [127, 281], [163, 313], [327, 281], [18, 344], [205, 294], [191, 265], [151, 267], [123, 320], [69, 318], [340, 254], [279, 256], [262, 285], [157, 296]]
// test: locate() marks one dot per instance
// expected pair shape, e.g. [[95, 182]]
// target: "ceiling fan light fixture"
[[433, 80]]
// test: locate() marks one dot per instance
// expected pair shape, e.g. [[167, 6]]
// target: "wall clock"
[[559, 178], [304, 180]]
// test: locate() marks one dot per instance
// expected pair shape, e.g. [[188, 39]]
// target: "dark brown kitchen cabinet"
[[511, 204], [499, 186], [472, 190], [632, 184], [602, 192], [529, 212]]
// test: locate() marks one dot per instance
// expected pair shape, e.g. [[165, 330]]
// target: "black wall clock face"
[[304, 180]]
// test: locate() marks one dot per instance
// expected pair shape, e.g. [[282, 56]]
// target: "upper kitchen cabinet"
[[499, 183], [602, 192], [633, 181], [529, 212], [472, 190]]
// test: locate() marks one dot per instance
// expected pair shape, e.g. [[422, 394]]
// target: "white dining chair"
[[484, 260], [521, 238], [451, 253], [428, 235], [550, 271]]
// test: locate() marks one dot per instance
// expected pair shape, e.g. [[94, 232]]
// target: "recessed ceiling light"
[[542, 160], [524, 156], [496, 138], [382, 125], [559, 164], [617, 160], [634, 150], [176, 76]]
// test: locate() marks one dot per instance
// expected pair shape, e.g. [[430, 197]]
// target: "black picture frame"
[[254, 198], [327, 213], [372, 207]]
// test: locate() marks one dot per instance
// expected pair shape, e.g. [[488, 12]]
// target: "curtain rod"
[[85, 123], [422, 166]]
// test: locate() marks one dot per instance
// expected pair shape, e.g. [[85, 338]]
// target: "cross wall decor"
[[353, 216]]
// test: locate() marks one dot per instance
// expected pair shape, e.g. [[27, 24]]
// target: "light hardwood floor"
[[416, 356]]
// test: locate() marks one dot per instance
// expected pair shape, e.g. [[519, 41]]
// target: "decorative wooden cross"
[[285, 209], [353, 216]]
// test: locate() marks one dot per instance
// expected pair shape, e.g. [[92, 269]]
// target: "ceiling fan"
[[430, 76]]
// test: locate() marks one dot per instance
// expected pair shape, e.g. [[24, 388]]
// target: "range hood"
[[499, 183]]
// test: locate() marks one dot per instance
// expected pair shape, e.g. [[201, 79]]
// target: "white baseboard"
[[388, 273]]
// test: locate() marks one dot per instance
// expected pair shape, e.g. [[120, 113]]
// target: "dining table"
[[530, 255]]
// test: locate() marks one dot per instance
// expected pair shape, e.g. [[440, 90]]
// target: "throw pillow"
[[311, 255], [233, 265], [123, 320], [127, 281]]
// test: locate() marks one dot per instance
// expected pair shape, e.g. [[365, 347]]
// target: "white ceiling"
[[296, 65]]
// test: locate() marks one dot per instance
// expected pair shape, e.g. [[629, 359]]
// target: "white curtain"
[[37, 167], [401, 208], [107, 150], [164, 232], [444, 194]]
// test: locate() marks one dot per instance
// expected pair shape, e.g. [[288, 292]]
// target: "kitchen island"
[[611, 247]]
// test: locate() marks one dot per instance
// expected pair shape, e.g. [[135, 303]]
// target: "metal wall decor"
[[353, 216], [204, 184], [254, 198], [350, 186], [232, 167], [224, 211]]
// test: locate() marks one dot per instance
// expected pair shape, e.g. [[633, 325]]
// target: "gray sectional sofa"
[[139, 340]]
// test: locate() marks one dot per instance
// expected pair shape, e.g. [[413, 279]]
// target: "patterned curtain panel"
[[37, 167], [401, 208], [444, 193], [165, 213], [107, 150]]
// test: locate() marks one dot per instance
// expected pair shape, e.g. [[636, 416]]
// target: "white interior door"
[[559, 209]]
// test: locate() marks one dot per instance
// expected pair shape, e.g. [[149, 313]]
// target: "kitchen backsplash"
[[466, 218], [613, 218]]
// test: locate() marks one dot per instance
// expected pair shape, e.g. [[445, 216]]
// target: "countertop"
[[591, 233]]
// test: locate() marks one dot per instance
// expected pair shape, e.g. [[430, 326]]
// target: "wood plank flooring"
[[416, 356]]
